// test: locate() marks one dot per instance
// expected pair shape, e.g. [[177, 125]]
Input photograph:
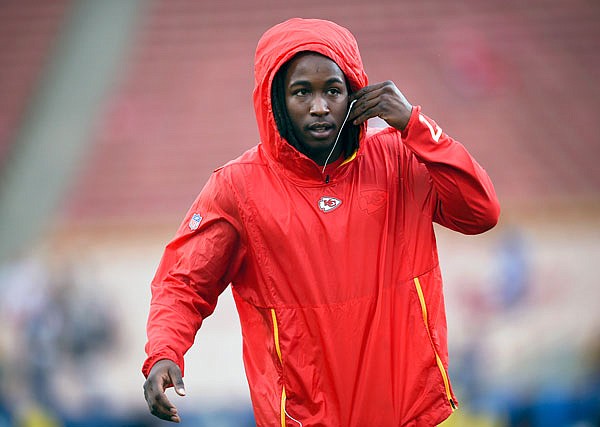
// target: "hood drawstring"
[[336, 140]]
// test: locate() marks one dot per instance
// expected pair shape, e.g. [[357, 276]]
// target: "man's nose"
[[319, 106]]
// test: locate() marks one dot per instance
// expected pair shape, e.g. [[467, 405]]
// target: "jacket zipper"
[[437, 357], [278, 350], [348, 160]]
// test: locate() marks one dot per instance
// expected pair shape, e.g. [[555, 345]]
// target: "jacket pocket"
[[283, 415], [438, 360]]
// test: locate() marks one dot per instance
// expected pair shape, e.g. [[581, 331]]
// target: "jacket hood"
[[277, 46]]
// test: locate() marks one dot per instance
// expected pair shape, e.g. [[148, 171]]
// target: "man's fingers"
[[371, 103], [161, 407], [364, 107], [365, 90], [369, 114], [177, 380]]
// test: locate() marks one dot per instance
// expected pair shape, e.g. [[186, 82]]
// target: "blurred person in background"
[[57, 330], [514, 269], [325, 231]]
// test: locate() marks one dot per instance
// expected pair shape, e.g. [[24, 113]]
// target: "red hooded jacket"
[[336, 281]]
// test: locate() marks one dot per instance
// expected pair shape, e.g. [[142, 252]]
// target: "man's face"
[[316, 98]]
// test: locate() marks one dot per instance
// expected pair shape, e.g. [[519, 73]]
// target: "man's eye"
[[301, 92], [334, 91]]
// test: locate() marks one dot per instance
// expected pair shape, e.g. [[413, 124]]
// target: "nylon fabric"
[[336, 262]]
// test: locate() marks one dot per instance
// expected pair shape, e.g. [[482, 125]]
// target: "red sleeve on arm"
[[463, 197], [195, 269]]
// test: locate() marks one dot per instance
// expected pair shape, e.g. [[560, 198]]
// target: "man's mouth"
[[321, 129]]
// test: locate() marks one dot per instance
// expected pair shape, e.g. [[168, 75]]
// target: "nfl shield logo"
[[195, 222]]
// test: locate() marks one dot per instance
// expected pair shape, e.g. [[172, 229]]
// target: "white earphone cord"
[[292, 418], [338, 135]]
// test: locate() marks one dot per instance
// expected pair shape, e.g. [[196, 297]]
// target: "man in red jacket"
[[325, 232]]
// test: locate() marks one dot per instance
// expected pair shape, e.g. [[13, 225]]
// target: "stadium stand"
[[510, 80], [28, 29]]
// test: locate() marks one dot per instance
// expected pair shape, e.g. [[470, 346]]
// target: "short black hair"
[[350, 133]]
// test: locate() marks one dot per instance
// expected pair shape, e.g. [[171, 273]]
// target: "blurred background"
[[113, 113]]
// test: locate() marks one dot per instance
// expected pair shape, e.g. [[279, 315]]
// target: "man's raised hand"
[[383, 100]]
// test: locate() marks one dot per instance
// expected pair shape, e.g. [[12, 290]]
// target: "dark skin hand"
[[164, 374], [383, 100]]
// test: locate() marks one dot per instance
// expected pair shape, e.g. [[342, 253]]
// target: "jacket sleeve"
[[196, 267], [460, 194]]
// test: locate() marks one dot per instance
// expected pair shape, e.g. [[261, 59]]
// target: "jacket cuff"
[[414, 116]]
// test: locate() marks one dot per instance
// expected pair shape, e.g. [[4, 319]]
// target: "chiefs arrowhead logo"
[[371, 201], [327, 204]]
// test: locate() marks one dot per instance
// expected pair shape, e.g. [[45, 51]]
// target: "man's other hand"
[[164, 374]]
